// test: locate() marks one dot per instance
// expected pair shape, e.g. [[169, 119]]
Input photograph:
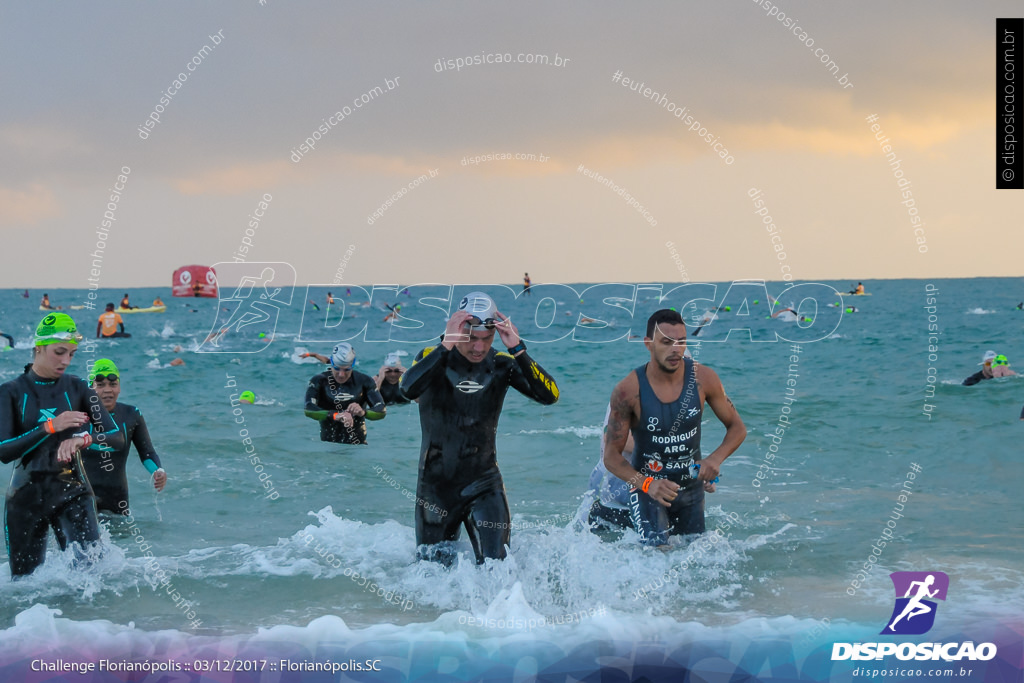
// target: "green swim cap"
[[756, 302], [247, 396], [57, 328], [262, 335], [849, 309], [103, 366], [1000, 360]]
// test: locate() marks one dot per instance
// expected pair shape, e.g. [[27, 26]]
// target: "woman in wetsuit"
[[105, 466], [44, 420]]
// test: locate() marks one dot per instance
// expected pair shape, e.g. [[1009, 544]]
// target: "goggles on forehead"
[[61, 336]]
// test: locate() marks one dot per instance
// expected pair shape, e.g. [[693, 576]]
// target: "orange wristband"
[[647, 484], [48, 426]]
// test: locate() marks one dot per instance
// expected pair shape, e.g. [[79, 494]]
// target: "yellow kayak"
[[151, 309]]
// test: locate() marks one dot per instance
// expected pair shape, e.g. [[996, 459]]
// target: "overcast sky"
[[80, 79]]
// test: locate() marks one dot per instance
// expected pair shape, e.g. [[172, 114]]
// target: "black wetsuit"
[[975, 378], [459, 481], [44, 493], [325, 396], [392, 393], [666, 442], [106, 467]]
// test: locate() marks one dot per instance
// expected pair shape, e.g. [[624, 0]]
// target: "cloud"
[[28, 206]]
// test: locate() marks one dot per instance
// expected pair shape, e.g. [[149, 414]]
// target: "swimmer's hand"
[[506, 330], [68, 448], [355, 410], [455, 330], [709, 487], [708, 471], [159, 479], [72, 418], [663, 491], [344, 418]]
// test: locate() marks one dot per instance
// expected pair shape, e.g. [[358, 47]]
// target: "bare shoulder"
[[708, 379], [626, 395]]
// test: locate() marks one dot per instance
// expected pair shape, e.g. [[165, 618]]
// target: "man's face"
[[476, 347], [107, 389], [668, 346], [341, 375], [392, 375]]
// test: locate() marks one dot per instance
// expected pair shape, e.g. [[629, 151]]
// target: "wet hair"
[[110, 306], [664, 316]]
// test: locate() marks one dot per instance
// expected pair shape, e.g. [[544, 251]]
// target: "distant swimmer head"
[[393, 360], [104, 370], [57, 328], [343, 356], [1000, 360], [988, 358], [105, 379], [481, 307], [247, 397]]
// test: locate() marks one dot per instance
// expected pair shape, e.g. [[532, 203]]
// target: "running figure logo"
[[914, 612], [248, 315]]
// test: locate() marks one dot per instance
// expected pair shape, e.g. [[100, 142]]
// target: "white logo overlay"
[[468, 386]]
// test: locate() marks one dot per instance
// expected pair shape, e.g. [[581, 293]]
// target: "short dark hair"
[[110, 305], [665, 315]]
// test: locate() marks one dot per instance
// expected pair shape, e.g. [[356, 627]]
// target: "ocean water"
[[259, 572]]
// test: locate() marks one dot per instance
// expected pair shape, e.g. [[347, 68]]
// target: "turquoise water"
[[792, 546]]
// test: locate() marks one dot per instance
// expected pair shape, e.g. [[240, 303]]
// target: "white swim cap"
[[343, 356]]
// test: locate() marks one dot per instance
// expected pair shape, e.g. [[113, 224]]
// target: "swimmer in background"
[[106, 467], [992, 365], [158, 302], [45, 303], [341, 399], [396, 311], [388, 378], [247, 397], [108, 322]]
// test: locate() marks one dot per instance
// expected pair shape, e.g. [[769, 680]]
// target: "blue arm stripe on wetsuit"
[[68, 399], [150, 466], [24, 406]]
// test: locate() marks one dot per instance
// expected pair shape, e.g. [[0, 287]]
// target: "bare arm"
[[623, 414], [735, 431]]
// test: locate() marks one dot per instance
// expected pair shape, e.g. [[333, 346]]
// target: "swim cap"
[[849, 309], [728, 308], [57, 328], [1000, 360], [343, 356], [247, 397], [103, 366], [988, 357], [392, 361], [262, 335], [481, 307]]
